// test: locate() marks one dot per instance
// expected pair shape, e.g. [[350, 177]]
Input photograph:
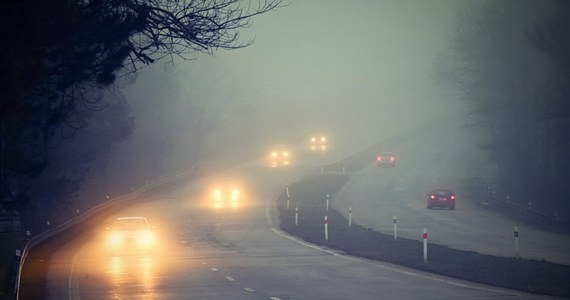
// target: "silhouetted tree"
[[56, 55], [509, 62]]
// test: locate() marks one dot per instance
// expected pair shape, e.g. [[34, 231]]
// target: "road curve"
[[205, 253], [443, 158], [216, 254]]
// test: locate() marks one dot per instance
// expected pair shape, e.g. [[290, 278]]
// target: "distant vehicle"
[[318, 143], [441, 198], [224, 197], [130, 234], [386, 159], [279, 156]]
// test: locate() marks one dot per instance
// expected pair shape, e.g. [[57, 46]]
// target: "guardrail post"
[[395, 221], [425, 241], [349, 216], [327, 207], [326, 228], [28, 235], [516, 236], [288, 201], [296, 216]]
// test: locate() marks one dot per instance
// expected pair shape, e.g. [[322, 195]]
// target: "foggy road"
[[446, 159], [207, 253]]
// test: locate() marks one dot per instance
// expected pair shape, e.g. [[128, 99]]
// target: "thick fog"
[[355, 70]]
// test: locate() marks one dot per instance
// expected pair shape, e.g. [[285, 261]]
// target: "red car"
[[441, 198], [386, 159]]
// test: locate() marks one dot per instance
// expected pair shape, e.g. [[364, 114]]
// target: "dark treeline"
[[510, 62], [60, 64]]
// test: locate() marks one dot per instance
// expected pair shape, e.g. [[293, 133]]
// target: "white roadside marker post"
[[287, 191], [326, 228], [395, 221], [425, 238], [288, 201], [296, 216], [327, 202], [516, 235], [349, 216]]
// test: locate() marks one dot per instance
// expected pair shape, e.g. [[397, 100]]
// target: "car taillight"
[[392, 158], [432, 196], [379, 158], [452, 197]]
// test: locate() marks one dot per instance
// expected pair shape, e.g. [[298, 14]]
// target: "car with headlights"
[[441, 198], [226, 197], [318, 143], [279, 156], [386, 159], [130, 234]]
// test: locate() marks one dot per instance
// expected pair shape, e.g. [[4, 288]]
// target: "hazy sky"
[[317, 66]]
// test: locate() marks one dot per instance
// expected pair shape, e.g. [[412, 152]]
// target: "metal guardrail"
[[36, 240], [529, 209]]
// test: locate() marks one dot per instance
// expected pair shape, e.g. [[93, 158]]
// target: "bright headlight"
[[114, 239], [146, 238]]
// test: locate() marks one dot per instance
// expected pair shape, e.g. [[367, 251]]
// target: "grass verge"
[[526, 275]]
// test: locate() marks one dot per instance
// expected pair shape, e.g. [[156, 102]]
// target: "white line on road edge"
[[386, 266], [249, 290], [73, 284], [229, 278]]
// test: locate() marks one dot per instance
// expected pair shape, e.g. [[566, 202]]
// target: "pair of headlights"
[[144, 239]]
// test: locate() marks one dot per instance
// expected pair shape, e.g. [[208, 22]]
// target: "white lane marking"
[[249, 290], [229, 278], [214, 269], [73, 284], [204, 263], [275, 298], [301, 242], [400, 270]]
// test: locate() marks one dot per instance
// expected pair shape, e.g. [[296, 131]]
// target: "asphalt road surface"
[[446, 158], [237, 253]]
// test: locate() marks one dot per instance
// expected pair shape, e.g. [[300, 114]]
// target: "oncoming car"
[[441, 198], [130, 234], [279, 156], [386, 159], [226, 197], [318, 143]]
